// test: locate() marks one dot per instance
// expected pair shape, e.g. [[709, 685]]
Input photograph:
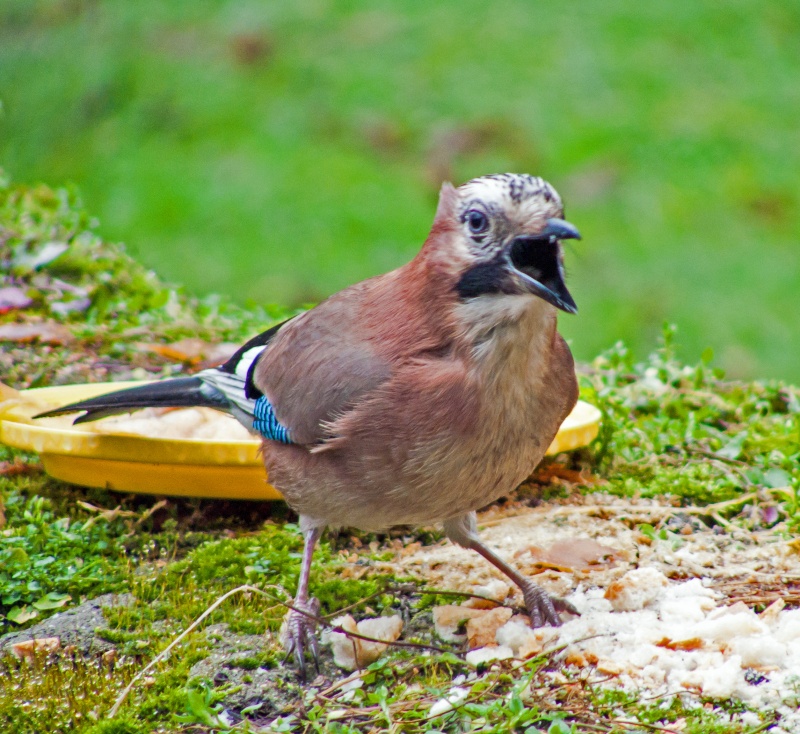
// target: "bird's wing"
[[234, 378], [317, 369]]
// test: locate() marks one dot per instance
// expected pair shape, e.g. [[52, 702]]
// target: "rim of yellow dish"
[[182, 466]]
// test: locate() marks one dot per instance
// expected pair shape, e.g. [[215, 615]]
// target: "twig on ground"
[[255, 590], [158, 658]]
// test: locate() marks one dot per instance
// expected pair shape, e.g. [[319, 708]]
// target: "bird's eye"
[[477, 221]]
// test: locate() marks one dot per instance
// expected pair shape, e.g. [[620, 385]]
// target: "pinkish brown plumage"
[[420, 395]]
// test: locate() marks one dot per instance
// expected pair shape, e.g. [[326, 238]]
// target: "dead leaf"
[[193, 351], [794, 545], [44, 332], [107, 515], [547, 473], [27, 649], [13, 298], [17, 468], [574, 554]]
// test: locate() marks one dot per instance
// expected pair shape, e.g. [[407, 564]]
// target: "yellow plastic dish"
[[185, 466]]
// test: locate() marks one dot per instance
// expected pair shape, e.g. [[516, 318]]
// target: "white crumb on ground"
[[352, 652], [658, 620], [449, 702]]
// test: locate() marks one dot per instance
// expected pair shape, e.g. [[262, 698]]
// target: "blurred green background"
[[278, 151]]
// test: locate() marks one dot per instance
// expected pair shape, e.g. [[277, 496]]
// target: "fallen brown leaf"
[[193, 351], [44, 332], [27, 649], [13, 298], [546, 473], [18, 468], [574, 554]]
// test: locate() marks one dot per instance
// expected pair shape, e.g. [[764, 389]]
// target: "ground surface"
[[691, 487]]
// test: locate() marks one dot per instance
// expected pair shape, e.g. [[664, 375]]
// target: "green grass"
[[278, 152]]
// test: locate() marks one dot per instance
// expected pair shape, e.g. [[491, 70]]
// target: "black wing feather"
[[179, 392]]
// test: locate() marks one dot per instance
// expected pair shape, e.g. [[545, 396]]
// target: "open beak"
[[536, 259]]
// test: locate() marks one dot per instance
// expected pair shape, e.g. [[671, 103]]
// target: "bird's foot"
[[543, 608], [299, 633]]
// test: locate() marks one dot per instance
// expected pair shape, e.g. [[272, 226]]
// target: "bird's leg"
[[542, 608], [299, 631]]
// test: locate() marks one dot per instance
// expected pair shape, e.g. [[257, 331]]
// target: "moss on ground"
[[669, 429]]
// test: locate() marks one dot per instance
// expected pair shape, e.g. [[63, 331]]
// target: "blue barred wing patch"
[[267, 424]]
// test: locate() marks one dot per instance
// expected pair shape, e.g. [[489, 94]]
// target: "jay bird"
[[413, 397]]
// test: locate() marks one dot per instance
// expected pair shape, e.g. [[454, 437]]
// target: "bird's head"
[[505, 233]]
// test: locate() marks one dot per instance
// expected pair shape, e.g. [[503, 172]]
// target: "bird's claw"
[[299, 633], [543, 608]]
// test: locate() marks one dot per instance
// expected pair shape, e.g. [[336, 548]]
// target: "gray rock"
[[77, 626], [273, 690]]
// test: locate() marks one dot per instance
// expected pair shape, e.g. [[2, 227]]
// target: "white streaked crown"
[[529, 195]]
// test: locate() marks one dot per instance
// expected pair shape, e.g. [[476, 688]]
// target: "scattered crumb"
[[492, 589], [636, 589], [351, 652], [164, 423], [664, 617], [488, 654], [449, 621], [449, 702], [481, 629], [522, 639], [197, 423]]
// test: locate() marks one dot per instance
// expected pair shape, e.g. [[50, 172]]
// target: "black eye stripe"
[[485, 278]]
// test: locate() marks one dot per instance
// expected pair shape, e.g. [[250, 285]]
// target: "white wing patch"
[[247, 359]]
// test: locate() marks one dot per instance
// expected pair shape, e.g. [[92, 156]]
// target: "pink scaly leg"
[[299, 632], [542, 608]]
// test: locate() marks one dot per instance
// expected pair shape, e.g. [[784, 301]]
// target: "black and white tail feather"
[[228, 388]]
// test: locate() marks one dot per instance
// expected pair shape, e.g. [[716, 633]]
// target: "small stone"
[[109, 657]]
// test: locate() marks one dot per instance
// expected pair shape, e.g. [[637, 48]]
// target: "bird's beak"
[[536, 260]]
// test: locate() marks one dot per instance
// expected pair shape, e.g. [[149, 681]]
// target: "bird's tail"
[[179, 392]]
